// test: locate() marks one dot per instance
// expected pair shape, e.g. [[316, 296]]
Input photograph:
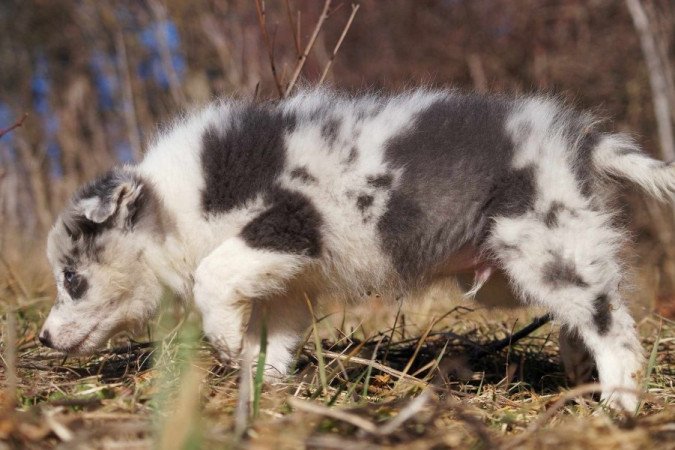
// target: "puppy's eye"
[[75, 284], [69, 276]]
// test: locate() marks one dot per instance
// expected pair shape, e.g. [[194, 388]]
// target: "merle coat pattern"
[[252, 207]]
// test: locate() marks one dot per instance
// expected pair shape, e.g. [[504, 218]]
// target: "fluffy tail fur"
[[617, 156]]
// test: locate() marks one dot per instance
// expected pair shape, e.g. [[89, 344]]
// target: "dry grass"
[[430, 381]]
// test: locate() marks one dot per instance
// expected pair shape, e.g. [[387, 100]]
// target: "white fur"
[[618, 155], [228, 278]]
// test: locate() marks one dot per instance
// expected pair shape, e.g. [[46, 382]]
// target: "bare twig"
[[410, 410], [355, 8], [420, 343], [375, 365], [477, 72], [59, 429], [310, 44], [413, 408], [295, 27], [344, 416], [243, 409], [260, 10], [511, 339], [16, 124], [657, 78]]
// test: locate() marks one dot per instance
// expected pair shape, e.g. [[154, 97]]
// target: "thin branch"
[[377, 366], [295, 27], [657, 78], [475, 63], [344, 416], [298, 28], [511, 339], [411, 410], [310, 44], [243, 409], [16, 124], [355, 8], [260, 10]]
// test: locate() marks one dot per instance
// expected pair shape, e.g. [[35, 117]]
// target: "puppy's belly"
[[466, 264], [495, 293]]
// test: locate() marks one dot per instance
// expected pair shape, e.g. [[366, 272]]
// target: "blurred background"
[[97, 78]]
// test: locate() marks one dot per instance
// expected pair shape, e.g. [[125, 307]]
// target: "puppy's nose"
[[45, 338]]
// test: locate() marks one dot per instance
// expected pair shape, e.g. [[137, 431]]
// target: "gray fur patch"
[[560, 273], [551, 217], [383, 181], [351, 157], [457, 177], [302, 174], [246, 159], [602, 316], [583, 164], [364, 201], [291, 225], [331, 129]]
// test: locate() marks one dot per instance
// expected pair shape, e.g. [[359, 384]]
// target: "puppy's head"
[[96, 250]]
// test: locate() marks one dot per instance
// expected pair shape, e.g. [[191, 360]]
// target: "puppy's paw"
[[229, 353]]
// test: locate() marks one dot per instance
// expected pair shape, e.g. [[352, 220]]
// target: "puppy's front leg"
[[226, 283]]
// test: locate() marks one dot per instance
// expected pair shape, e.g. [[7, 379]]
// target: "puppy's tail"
[[618, 156]]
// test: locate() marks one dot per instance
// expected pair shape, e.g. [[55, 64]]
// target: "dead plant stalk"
[[308, 48], [262, 23], [355, 8]]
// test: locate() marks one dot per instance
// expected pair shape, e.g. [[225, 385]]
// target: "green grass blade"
[[651, 364], [321, 362], [355, 384], [260, 369], [369, 371]]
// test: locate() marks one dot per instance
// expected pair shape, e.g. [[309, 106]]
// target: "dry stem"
[[355, 8], [657, 78], [16, 124], [260, 10], [310, 44]]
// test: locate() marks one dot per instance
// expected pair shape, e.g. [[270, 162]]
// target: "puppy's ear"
[[113, 195]]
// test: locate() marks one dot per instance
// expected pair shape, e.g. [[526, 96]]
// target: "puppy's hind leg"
[[571, 269]]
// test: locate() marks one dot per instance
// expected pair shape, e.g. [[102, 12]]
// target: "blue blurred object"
[[107, 83], [124, 152], [105, 79], [152, 68], [40, 88]]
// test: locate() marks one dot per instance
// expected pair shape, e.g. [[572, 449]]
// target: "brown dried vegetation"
[[425, 378]]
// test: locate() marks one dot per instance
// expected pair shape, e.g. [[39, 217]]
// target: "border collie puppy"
[[251, 208]]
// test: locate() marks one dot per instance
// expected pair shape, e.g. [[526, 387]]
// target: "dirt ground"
[[424, 376]]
